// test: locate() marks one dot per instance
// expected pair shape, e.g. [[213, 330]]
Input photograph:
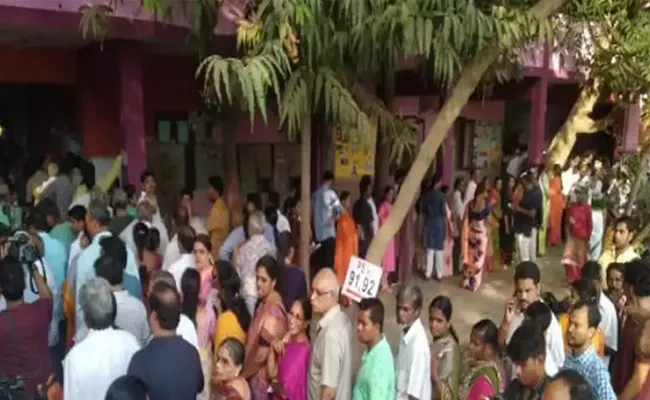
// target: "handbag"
[[48, 390]]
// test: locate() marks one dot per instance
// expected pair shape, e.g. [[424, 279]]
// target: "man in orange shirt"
[[219, 217]]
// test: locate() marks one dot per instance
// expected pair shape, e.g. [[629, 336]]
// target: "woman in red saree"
[[576, 249], [347, 241], [268, 326], [556, 201]]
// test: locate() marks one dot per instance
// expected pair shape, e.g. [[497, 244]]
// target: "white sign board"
[[362, 280]]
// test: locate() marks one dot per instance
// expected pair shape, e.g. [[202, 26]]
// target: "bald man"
[[330, 373], [568, 385]]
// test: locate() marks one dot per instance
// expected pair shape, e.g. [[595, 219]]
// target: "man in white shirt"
[[570, 176], [608, 316], [186, 202], [622, 250], [527, 290], [282, 224], [131, 315], [181, 218], [105, 353], [414, 357], [515, 163], [186, 328], [147, 215], [185, 242], [77, 218]]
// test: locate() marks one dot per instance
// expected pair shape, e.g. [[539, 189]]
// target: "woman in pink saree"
[[475, 239], [198, 304], [269, 325], [484, 372], [289, 360], [388, 262]]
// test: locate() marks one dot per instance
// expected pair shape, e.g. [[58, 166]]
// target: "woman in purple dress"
[[289, 359]]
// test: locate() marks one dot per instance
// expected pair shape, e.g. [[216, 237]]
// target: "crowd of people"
[[118, 302], [485, 225]]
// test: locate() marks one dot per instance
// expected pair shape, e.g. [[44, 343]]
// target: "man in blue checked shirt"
[[583, 323], [326, 208]]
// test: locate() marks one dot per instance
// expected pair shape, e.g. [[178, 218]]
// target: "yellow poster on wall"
[[354, 152]]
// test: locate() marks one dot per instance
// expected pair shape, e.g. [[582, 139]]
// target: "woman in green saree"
[[483, 372], [445, 351]]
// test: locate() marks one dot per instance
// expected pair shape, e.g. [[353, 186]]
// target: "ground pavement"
[[470, 307]]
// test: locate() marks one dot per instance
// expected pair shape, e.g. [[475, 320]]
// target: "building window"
[[266, 167], [464, 142], [177, 128]]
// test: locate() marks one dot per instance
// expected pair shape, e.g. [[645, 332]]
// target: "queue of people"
[[121, 304]]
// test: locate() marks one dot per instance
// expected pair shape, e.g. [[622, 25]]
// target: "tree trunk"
[[459, 96], [641, 176], [233, 191], [382, 157], [305, 196], [578, 121]]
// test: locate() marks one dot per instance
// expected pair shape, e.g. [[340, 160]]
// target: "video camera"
[[19, 248]]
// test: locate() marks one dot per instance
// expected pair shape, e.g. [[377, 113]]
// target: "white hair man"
[[105, 353], [413, 357], [255, 247]]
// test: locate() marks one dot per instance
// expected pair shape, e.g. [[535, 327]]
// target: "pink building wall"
[[128, 19], [103, 105], [426, 108]]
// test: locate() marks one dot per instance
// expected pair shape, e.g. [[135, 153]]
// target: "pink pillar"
[[132, 110], [538, 97], [448, 158]]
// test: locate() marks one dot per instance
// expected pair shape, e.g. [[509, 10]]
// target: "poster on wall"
[[354, 152], [481, 143], [487, 145]]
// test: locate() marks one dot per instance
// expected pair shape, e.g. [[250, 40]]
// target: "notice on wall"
[[362, 280], [487, 145], [354, 152]]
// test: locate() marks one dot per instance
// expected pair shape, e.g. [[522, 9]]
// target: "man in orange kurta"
[[219, 218]]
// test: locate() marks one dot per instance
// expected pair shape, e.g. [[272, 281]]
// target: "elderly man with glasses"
[[330, 368]]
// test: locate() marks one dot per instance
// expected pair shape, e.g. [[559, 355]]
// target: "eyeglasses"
[[320, 293]]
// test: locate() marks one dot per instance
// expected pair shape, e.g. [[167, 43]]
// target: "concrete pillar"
[[132, 122], [98, 102], [539, 93]]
